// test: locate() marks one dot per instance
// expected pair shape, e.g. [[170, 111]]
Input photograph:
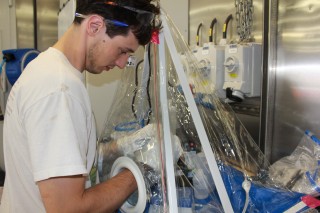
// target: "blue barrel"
[[21, 58]]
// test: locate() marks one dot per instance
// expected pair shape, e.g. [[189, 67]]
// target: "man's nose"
[[121, 62]]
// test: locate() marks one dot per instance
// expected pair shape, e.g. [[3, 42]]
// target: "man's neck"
[[72, 45]]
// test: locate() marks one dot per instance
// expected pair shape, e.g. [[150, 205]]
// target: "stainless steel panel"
[[25, 28], [47, 23], [296, 66], [204, 11], [47, 30]]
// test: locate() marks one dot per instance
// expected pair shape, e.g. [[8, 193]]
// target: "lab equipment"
[[201, 157], [243, 60], [211, 60], [243, 67], [17, 60]]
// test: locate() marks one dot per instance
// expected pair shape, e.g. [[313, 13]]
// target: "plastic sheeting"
[[137, 106], [299, 171]]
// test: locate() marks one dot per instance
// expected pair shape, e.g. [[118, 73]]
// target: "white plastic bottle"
[[203, 184]]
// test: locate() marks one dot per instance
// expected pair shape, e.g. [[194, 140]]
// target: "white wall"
[[178, 11], [101, 90]]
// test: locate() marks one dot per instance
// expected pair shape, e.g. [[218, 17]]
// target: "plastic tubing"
[[312, 136], [246, 185], [198, 32], [213, 22], [1, 65], [225, 26], [24, 58]]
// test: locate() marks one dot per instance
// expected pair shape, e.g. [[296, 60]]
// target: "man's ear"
[[94, 25]]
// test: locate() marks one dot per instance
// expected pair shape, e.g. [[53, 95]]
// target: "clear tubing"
[[1, 65]]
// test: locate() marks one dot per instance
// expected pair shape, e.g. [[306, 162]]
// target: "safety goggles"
[[141, 15], [114, 22]]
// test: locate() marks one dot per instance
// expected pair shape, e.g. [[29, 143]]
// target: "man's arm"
[[68, 194]]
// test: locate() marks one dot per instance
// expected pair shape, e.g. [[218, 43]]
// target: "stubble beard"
[[91, 67]]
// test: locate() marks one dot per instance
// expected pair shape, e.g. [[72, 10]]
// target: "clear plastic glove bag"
[[243, 167]]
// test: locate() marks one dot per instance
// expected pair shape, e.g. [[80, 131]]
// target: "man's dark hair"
[[140, 27]]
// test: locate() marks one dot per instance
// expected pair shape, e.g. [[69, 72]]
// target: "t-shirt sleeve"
[[57, 136]]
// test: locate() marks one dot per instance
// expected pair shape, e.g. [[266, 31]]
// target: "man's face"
[[105, 53]]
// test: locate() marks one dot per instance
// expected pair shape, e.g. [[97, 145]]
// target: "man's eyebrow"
[[128, 50]]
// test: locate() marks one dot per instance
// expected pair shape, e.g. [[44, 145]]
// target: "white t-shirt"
[[49, 130]]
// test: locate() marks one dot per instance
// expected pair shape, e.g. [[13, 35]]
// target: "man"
[[49, 132]]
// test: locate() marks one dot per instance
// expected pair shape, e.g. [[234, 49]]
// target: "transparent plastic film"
[[131, 136], [300, 170], [136, 129], [123, 122], [242, 165]]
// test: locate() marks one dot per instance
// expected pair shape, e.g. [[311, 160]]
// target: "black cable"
[[213, 22], [148, 87], [198, 31], [136, 89], [148, 83], [225, 26]]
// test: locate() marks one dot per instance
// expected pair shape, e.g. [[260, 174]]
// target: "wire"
[[225, 26], [135, 90], [148, 84], [149, 112], [198, 31], [213, 22]]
